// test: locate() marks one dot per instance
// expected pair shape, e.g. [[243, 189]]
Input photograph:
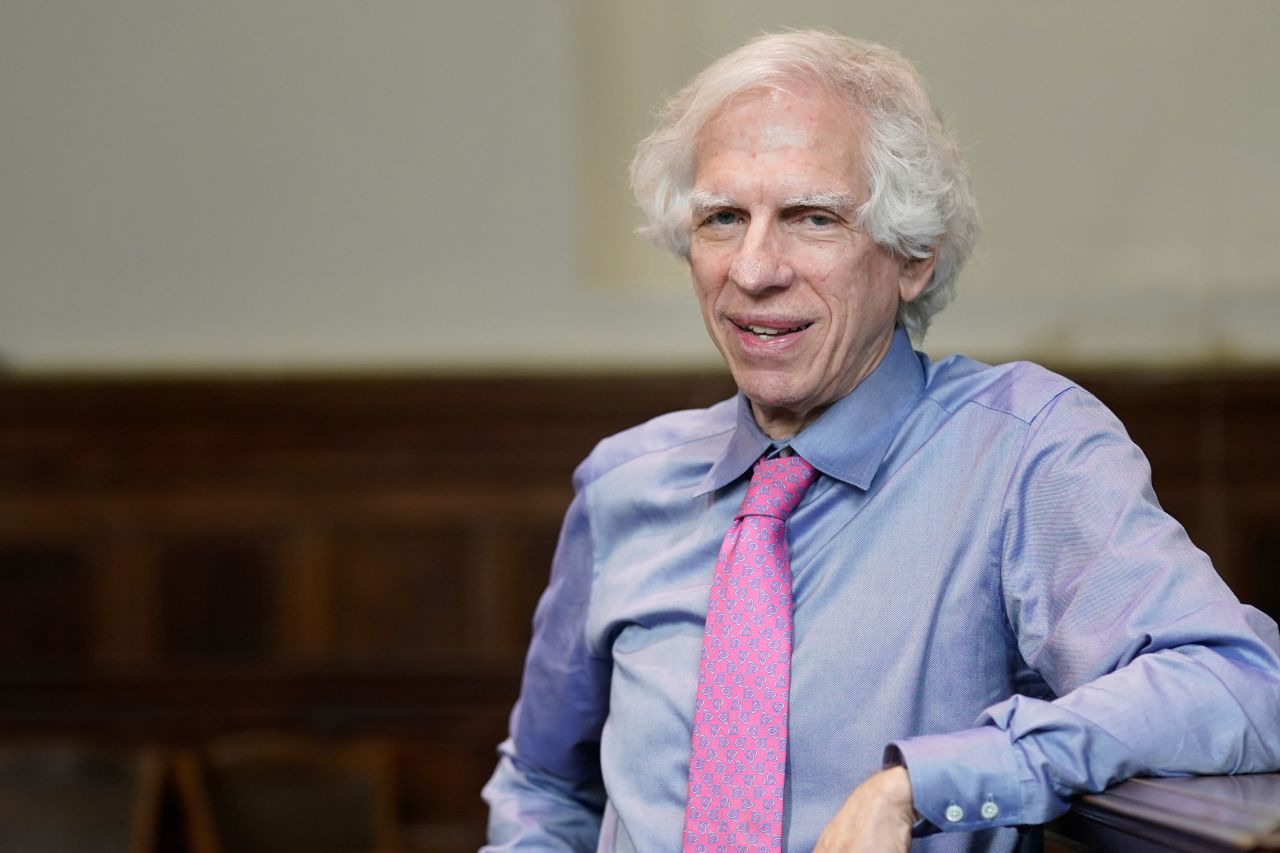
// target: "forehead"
[[802, 136]]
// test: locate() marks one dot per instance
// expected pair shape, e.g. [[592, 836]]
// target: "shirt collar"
[[850, 439]]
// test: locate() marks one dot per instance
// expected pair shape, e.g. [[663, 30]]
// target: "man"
[[947, 600]]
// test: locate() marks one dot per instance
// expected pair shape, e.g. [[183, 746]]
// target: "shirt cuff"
[[963, 781]]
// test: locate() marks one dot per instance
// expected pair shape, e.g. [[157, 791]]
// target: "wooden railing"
[[1203, 814]]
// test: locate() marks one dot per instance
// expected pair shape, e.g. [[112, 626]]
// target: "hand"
[[876, 818]]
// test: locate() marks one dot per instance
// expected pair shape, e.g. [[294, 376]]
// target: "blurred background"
[[308, 308]]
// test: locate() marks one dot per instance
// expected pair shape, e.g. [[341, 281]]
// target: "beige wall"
[[315, 183]]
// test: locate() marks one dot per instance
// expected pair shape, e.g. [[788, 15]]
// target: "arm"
[[546, 793], [1157, 667]]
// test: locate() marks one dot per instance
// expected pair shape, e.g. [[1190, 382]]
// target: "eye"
[[723, 218], [819, 219]]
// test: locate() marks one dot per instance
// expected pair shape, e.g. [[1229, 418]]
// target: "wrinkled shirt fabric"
[[985, 589]]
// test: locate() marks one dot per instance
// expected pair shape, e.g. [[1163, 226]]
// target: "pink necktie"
[[738, 764]]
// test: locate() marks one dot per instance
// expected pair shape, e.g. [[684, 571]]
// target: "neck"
[[779, 423]]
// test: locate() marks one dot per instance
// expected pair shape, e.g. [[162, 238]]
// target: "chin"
[[770, 393]]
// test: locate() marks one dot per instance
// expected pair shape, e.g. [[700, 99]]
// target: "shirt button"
[[989, 810], [954, 813]]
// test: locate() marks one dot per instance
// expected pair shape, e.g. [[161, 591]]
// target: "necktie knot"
[[777, 487]]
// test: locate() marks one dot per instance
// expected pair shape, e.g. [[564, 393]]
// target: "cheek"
[[867, 284], [708, 276], [832, 281]]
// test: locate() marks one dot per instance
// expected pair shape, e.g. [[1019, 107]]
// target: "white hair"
[[919, 197]]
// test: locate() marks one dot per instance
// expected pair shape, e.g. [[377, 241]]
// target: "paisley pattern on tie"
[[738, 763]]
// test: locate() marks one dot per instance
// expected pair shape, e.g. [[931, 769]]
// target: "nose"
[[761, 262]]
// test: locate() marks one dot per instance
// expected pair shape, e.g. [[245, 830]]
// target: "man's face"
[[799, 302]]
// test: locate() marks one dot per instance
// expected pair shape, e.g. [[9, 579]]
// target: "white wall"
[[271, 184]]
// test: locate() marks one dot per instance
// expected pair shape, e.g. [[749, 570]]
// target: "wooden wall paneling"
[[1212, 484], [487, 590], [1251, 430], [125, 592], [45, 610], [467, 701], [1255, 546], [306, 605], [400, 593], [219, 599], [335, 556], [1264, 551], [513, 566], [1251, 470]]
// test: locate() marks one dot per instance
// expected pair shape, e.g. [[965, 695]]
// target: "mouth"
[[769, 331]]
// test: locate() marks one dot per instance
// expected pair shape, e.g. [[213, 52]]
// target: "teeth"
[[766, 332]]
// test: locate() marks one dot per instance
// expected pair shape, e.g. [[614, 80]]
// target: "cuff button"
[[954, 813], [989, 810]]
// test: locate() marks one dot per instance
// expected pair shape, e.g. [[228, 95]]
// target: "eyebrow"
[[702, 201], [838, 202], [843, 203]]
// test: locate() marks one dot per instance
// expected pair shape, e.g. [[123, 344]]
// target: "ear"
[[914, 275]]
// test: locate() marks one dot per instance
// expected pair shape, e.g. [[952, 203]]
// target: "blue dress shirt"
[[985, 588]]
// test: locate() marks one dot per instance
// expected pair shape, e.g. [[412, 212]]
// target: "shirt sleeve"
[[1156, 668], [546, 793]]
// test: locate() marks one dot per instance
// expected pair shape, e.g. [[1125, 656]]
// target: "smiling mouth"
[[769, 332]]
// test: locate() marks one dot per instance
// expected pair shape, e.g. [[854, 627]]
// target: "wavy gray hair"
[[920, 200]]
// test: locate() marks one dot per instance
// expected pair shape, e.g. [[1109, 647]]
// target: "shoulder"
[[1019, 391], [684, 431], [1058, 433]]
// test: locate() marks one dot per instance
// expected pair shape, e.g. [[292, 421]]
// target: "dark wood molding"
[[459, 697], [1212, 814]]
